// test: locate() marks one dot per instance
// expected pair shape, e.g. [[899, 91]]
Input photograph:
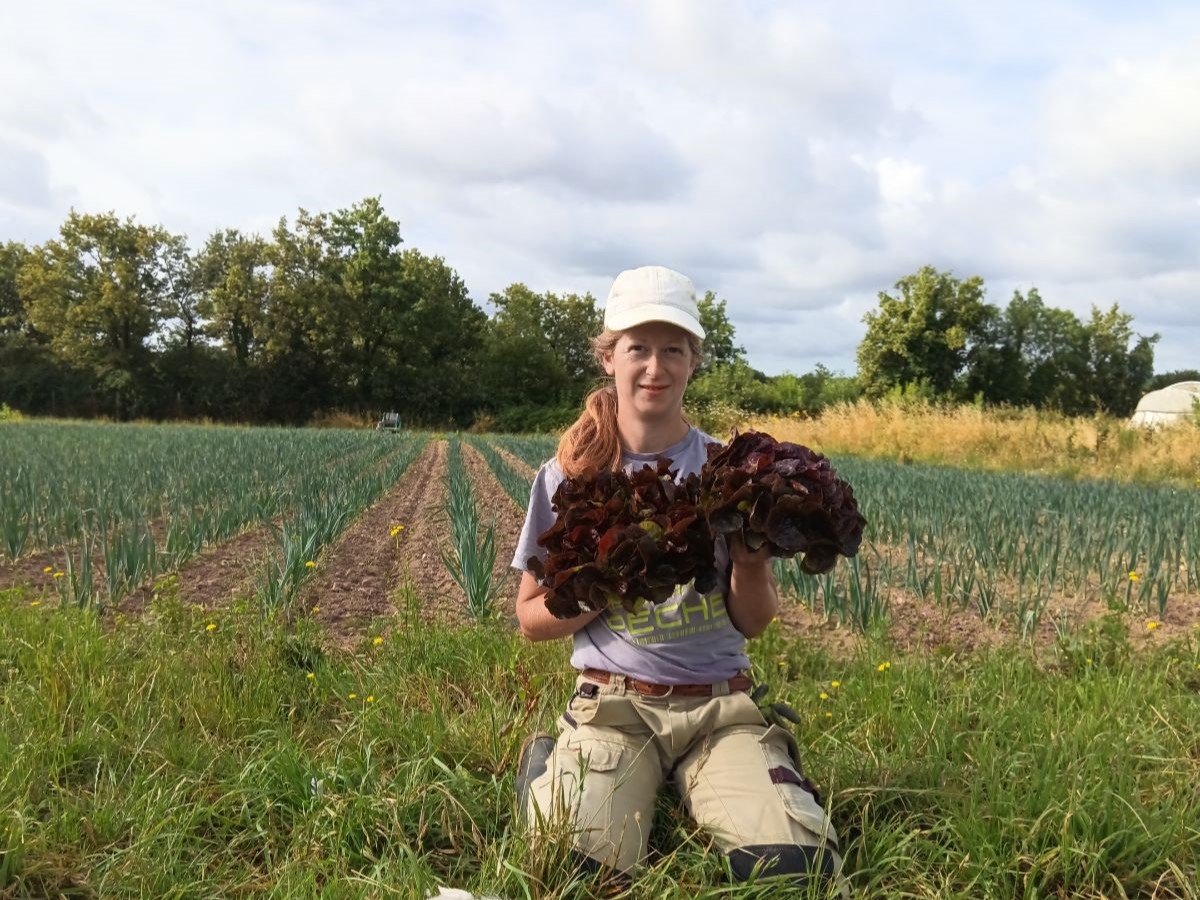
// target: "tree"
[[99, 293], [1117, 372], [12, 306], [569, 324], [520, 365], [924, 335], [370, 303], [1166, 379], [1031, 355], [232, 277], [719, 348], [429, 366], [302, 326]]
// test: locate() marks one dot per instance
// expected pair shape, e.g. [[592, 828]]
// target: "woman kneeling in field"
[[664, 693]]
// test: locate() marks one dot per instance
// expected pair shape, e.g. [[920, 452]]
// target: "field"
[[236, 661]]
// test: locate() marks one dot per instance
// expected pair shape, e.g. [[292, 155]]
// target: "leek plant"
[[533, 450], [473, 548]]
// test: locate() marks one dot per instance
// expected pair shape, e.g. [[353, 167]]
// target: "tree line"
[[937, 337], [330, 312]]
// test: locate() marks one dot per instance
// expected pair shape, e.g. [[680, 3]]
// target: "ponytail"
[[593, 441]]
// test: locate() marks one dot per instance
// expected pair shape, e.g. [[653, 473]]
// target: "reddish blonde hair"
[[593, 441]]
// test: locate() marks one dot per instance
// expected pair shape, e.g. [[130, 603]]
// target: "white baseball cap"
[[652, 294]]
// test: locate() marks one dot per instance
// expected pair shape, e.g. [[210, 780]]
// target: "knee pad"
[[531, 764], [798, 863], [610, 877]]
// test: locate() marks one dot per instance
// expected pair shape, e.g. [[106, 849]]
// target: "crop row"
[[473, 548], [59, 481], [981, 540], [971, 539], [326, 503], [515, 485], [143, 500]]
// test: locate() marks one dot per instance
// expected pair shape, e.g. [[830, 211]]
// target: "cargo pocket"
[[564, 799], [797, 793], [591, 768], [597, 756]]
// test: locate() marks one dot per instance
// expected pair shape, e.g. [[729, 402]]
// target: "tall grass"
[[190, 754], [1025, 440]]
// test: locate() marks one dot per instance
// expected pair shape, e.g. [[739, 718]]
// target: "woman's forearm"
[[753, 599], [539, 624]]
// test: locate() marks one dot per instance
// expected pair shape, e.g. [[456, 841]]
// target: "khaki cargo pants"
[[736, 775]]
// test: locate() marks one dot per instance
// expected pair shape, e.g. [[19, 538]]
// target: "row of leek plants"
[[60, 481], [111, 553], [326, 502], [1002, 541], [472, 553], [533, 450], [516, 486]]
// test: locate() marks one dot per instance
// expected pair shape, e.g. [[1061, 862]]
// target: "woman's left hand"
[[745, 558]]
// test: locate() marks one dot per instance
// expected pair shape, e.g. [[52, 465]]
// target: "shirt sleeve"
[[539, 516]]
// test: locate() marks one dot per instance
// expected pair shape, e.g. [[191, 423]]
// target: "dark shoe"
[[531, 764]]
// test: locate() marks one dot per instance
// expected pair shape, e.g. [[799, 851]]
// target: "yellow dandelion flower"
[[883, 667], [396, 529], [1150, 626], [35, 602], [59, 574], [315, 610], [1135, 577], [48, 569], [835, 684], [377, 641], [824, 696], [211, 626], [829, 715], [352, 697], [310, 565], [311, 676], [370, 698]]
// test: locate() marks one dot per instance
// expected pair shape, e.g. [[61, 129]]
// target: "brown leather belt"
[[738, 682]]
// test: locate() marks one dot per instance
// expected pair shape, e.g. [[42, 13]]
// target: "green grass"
[[156, 757]]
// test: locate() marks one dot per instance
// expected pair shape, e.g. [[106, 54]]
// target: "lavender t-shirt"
[[688, 638]]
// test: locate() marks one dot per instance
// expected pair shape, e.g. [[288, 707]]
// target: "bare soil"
[[518, 465], [356, 579], [29, 571], [915, 625], [213, 577]]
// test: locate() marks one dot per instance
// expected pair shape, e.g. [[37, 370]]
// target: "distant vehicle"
[[388, 422]]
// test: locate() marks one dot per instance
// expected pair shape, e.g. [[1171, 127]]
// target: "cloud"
[[797, 160]]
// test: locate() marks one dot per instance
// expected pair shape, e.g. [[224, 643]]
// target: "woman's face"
[[651, 365]]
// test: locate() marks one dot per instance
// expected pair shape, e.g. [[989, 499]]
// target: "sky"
[[796, 158]]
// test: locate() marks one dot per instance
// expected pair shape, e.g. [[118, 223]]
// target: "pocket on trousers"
[[778, 749], [597, 756], [580, 710]]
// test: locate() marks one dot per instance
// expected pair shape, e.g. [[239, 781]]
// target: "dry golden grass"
[[1025, 440]]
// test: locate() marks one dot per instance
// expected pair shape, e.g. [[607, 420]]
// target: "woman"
[[662, 694]]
